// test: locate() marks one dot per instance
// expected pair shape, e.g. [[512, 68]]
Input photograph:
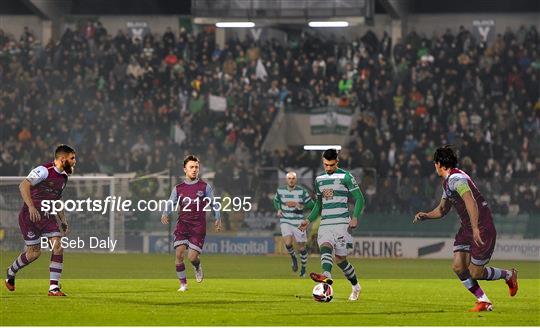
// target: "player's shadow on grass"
[[334, 313], [185, 302], [135, 291], [258, 293]]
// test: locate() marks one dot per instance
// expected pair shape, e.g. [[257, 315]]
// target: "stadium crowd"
[[140, 104]]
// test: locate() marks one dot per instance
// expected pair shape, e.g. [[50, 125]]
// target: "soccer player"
[[289, 203], [192, 195], [45, 182], [475, 241], [332, 190]]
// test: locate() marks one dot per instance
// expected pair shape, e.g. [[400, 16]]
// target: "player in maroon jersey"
[[475, 241], [193, 197], [45, 182]]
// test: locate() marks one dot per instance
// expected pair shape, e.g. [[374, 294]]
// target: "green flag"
[[330, 120], [196, 105]]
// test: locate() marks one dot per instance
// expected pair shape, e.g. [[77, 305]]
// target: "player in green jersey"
[[289, 202], [332, 190]]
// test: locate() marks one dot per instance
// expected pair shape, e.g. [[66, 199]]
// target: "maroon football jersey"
[[192, 200], [50, 188], [450, 186]]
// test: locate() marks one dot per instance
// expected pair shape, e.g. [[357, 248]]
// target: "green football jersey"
[[291, 215], [334, 189]]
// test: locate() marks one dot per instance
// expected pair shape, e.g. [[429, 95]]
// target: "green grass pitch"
[[137, 289]]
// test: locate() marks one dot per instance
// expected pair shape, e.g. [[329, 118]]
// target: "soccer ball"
[[323, 292]]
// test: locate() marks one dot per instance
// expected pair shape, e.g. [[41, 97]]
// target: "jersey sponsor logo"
[[49, 187], [353, 181], [34, 174], [328, 194]]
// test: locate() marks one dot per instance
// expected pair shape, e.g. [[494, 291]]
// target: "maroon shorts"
[[480, 255], [47, 226], [190, 233]]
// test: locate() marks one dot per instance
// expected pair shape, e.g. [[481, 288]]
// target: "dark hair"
[[190, 158], [330, 154], [63, 149], [446, 157]]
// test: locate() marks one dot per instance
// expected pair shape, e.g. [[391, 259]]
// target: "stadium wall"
[[157, 24], [14, 25], [422, 23], [438, 248], [214, 244], [438, 23], [364, 247]]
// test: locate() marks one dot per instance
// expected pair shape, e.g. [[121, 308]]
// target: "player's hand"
[[279, 213], [420, 216], [303, 226], [291, 204], [477, 238], [217, 225], [165, 219], [353, 223], [34, 214]]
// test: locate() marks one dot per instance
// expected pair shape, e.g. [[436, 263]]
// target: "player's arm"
[[308, 202], [356, 193], [472, 210], [63, 221], [277, 204], [315, 211], [24, 187], [359, 202], [169, 207], [209, 192], [438, 212], [35, 176]]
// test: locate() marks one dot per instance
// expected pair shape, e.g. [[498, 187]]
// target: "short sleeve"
[[173, 200], [458, 184], [209, 191], [37, 175]]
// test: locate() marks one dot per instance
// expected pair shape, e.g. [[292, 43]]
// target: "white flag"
[[260, 71], [217, 103], [179, 134]]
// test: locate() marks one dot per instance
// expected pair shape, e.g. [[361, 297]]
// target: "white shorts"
[[289, 230], [336, 235]]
